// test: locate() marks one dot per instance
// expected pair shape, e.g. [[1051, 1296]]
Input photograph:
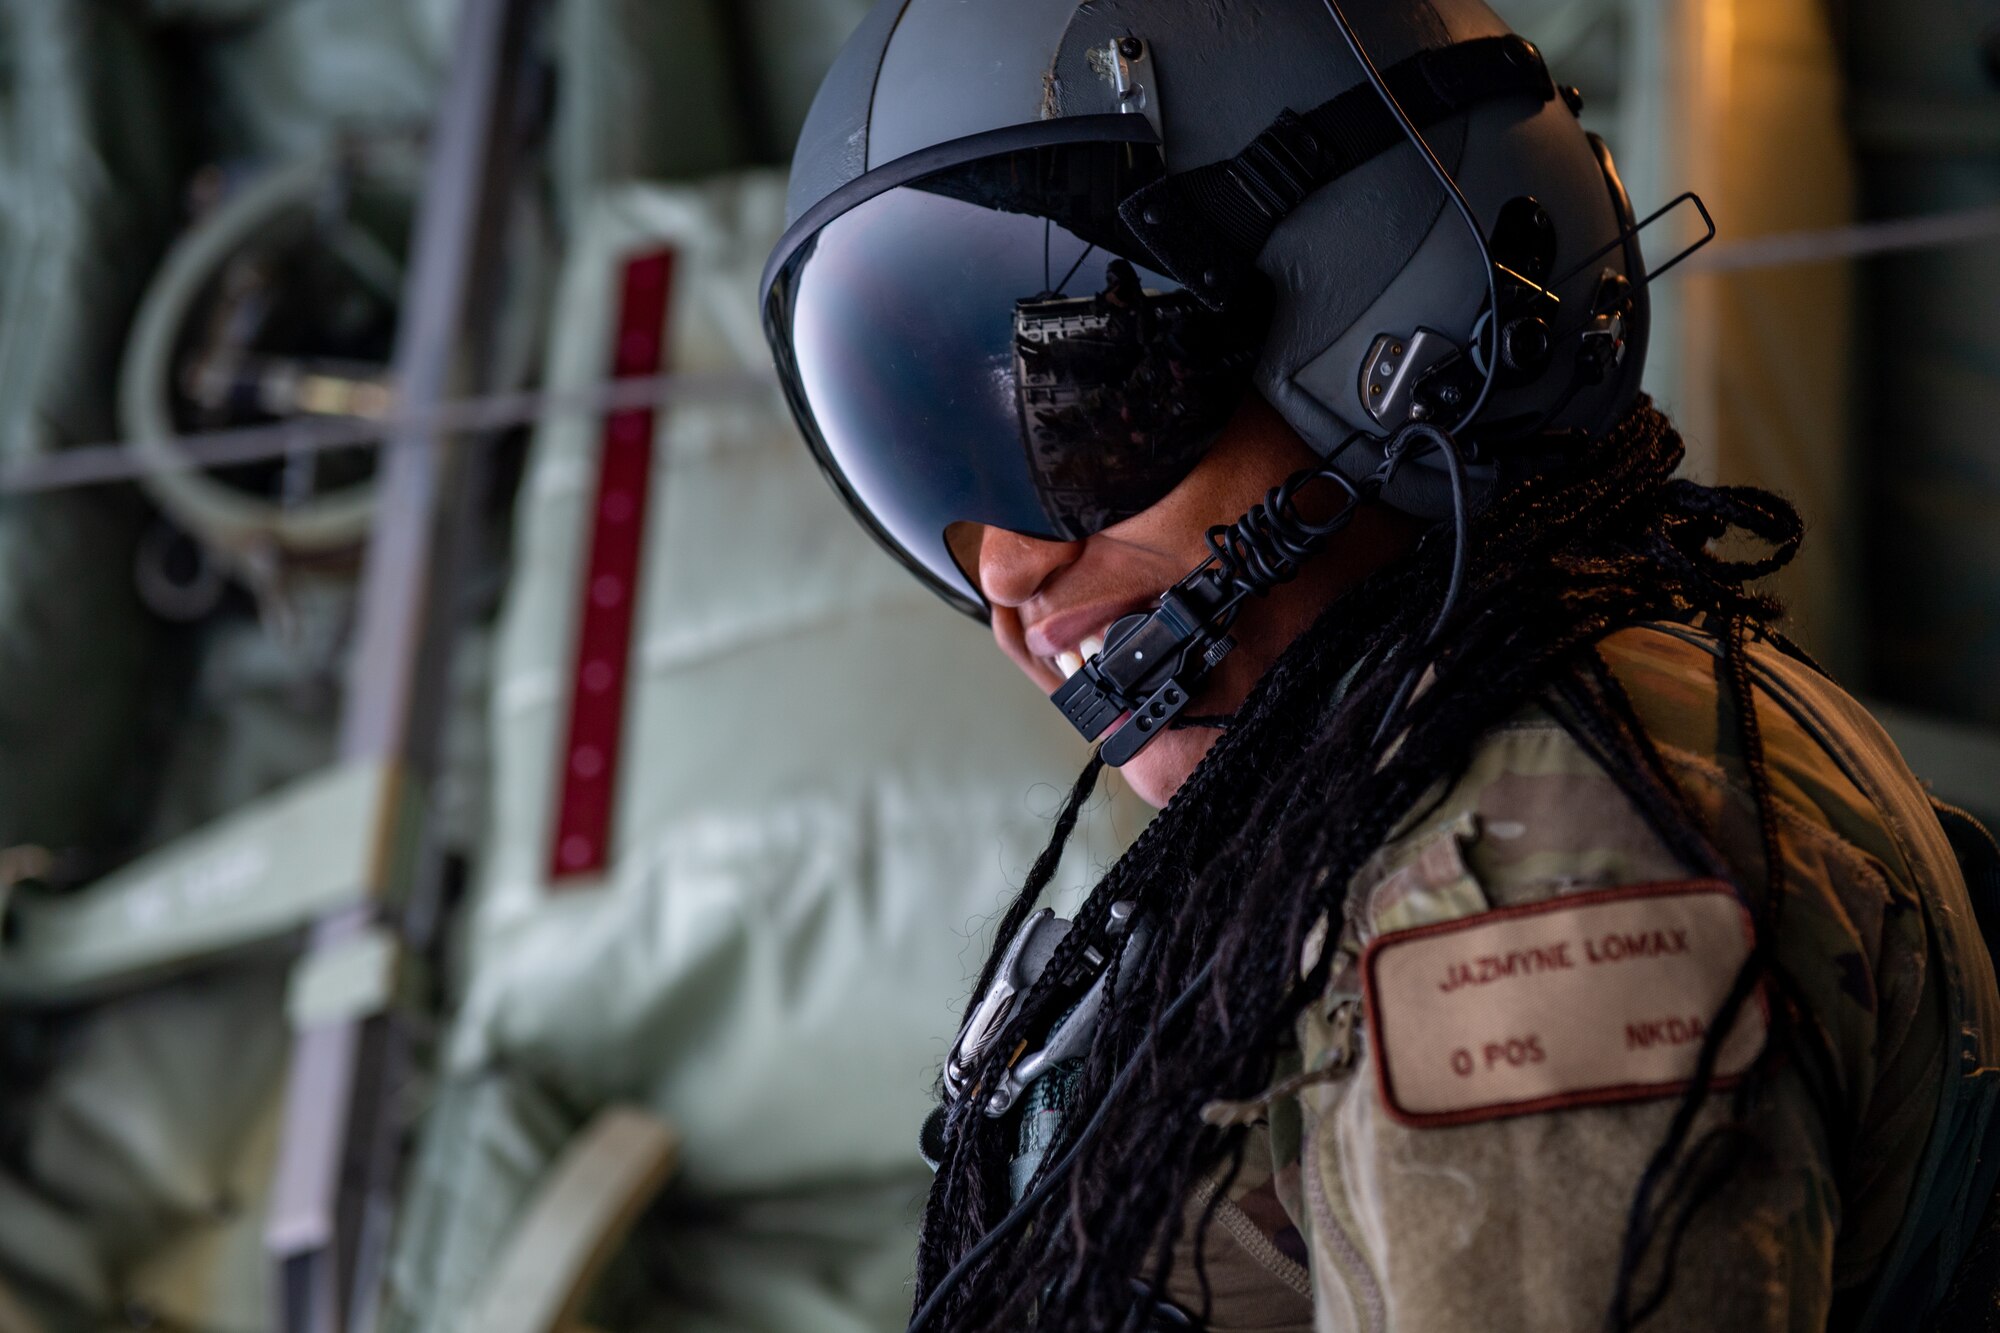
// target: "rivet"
[[1151, 217], [1131, 48]]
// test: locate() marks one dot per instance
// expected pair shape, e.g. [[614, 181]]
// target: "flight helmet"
[[1039, 250]]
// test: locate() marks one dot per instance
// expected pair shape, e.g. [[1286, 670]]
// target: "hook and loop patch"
[[1576, 1001]]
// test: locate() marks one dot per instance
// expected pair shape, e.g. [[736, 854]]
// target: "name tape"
[[1597, 997]]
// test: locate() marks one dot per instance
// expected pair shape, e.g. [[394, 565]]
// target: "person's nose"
[[1013, 568]]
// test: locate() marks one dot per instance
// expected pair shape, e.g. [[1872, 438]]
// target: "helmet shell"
[[1379, 251]]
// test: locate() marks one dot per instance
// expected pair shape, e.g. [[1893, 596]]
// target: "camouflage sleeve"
[[1434, 1194]]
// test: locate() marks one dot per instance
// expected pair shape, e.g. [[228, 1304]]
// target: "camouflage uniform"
[[1346, 1218]]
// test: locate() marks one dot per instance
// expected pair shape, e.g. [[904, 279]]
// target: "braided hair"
[[1263, 839]]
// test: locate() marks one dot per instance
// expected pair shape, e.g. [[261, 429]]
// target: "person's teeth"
[[1069, 662], [1092, 646]]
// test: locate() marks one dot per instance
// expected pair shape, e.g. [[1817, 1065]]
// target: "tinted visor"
[[986, 344]]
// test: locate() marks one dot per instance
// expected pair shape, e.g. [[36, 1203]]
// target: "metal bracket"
[[341, 1141], [1128, 64], [1392, 368]]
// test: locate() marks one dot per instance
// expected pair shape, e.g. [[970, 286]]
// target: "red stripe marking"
[[609, 598]]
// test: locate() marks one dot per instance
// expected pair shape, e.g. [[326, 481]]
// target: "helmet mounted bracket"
[[1127, 64]]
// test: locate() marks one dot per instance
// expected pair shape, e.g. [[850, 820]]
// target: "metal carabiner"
[[1026, 958], [1070, 1038]]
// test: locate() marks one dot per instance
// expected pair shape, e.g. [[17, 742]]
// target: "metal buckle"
[[1026, 958], [1070, 1038]]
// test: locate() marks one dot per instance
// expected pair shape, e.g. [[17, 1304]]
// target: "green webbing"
[[269, 869]]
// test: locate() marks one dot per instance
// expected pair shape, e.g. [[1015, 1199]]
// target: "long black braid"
[[1263, 839]]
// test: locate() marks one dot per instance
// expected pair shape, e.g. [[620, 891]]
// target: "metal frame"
[[342, 1135]]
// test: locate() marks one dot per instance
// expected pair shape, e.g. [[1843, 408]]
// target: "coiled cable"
[[1267, 545]]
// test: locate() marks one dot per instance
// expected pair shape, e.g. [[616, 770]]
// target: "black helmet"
[[1039, 250]]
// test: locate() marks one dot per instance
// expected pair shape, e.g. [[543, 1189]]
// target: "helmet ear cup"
[[1316, 370]]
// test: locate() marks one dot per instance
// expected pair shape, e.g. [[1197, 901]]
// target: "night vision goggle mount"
[[1152, 663]]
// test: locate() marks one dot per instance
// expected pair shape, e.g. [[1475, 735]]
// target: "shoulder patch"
[[1574, 1001]]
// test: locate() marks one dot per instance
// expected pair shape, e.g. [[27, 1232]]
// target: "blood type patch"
[[1595, 997]]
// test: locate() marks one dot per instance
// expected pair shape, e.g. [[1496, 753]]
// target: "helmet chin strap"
[[1139, 686]]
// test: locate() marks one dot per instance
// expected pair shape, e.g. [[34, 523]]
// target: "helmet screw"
[[1211, 278], [1151, 217], [1572, 98], [1131, 47]]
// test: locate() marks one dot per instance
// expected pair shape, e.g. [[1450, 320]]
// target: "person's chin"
[[1157, 772]]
